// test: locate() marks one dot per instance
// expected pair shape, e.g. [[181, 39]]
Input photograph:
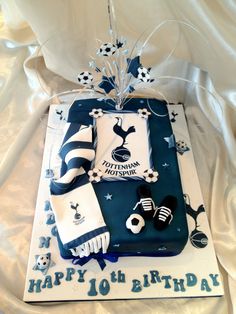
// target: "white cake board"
[[193, 273]]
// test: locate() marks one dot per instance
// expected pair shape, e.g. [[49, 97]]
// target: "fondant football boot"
[[145, 204], [164, 213]]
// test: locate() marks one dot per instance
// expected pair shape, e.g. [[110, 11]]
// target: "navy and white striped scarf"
[[79, 219]]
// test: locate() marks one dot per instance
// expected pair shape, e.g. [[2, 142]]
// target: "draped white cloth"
[[29, 75]]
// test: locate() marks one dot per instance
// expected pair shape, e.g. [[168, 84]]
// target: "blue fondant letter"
[[58, 275], [136, 286], [104, 287], [69, 272], [167, 282], [92, 292], [36, 284], [121, 276], [47, 282], [113, 277], [215, 282], [44, 242], [145, 281], [191, 279], [81, 275], [179, 285], [205, 286], [155, 276]]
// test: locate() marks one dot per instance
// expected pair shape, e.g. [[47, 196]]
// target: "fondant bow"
[[99, 257]]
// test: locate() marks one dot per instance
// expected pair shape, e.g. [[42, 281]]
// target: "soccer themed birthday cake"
[[119, 213]]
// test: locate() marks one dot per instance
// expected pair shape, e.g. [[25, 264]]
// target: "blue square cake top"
[[116, 210]]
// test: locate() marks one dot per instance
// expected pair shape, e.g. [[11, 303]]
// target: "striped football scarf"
[[79, 220]]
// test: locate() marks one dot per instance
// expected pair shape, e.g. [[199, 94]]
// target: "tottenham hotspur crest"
[[78, 219], [121, 153]]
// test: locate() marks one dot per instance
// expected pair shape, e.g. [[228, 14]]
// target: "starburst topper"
[[118, 74]]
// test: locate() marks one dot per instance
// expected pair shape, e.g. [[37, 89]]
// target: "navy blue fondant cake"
[[135, 151]]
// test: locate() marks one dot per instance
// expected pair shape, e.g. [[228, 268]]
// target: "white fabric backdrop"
[[66, 31]]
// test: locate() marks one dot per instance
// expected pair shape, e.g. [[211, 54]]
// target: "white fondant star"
[[108, 197], [165, 165], [170, 140]]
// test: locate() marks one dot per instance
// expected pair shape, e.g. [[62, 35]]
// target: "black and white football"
[[181, 145], [107, 50], [85, 78], [143, 74], [43, 261], [135, 223]]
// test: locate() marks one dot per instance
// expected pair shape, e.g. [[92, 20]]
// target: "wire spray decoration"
[[123, 74]]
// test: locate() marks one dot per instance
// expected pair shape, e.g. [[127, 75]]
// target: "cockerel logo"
[[75, 207], [78, 218], [121, 153]]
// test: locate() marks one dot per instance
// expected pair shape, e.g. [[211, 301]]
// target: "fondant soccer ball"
[[135, 223], [95, 175], [143, 74], [43, 261], [85, 78], [107, 50], [181, 145]]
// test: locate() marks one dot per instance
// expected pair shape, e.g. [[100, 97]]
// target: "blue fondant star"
[[119, 44], [170, 140], [43, 262], [107, 83], [108, 197], [133, 65]]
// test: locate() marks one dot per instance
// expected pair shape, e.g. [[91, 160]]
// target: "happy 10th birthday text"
[[103, 286]]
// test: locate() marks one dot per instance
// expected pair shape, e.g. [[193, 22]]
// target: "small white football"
[[85, 78], [143, 74], [107, 50], [135, 223], [43, 261], [181, 145]]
